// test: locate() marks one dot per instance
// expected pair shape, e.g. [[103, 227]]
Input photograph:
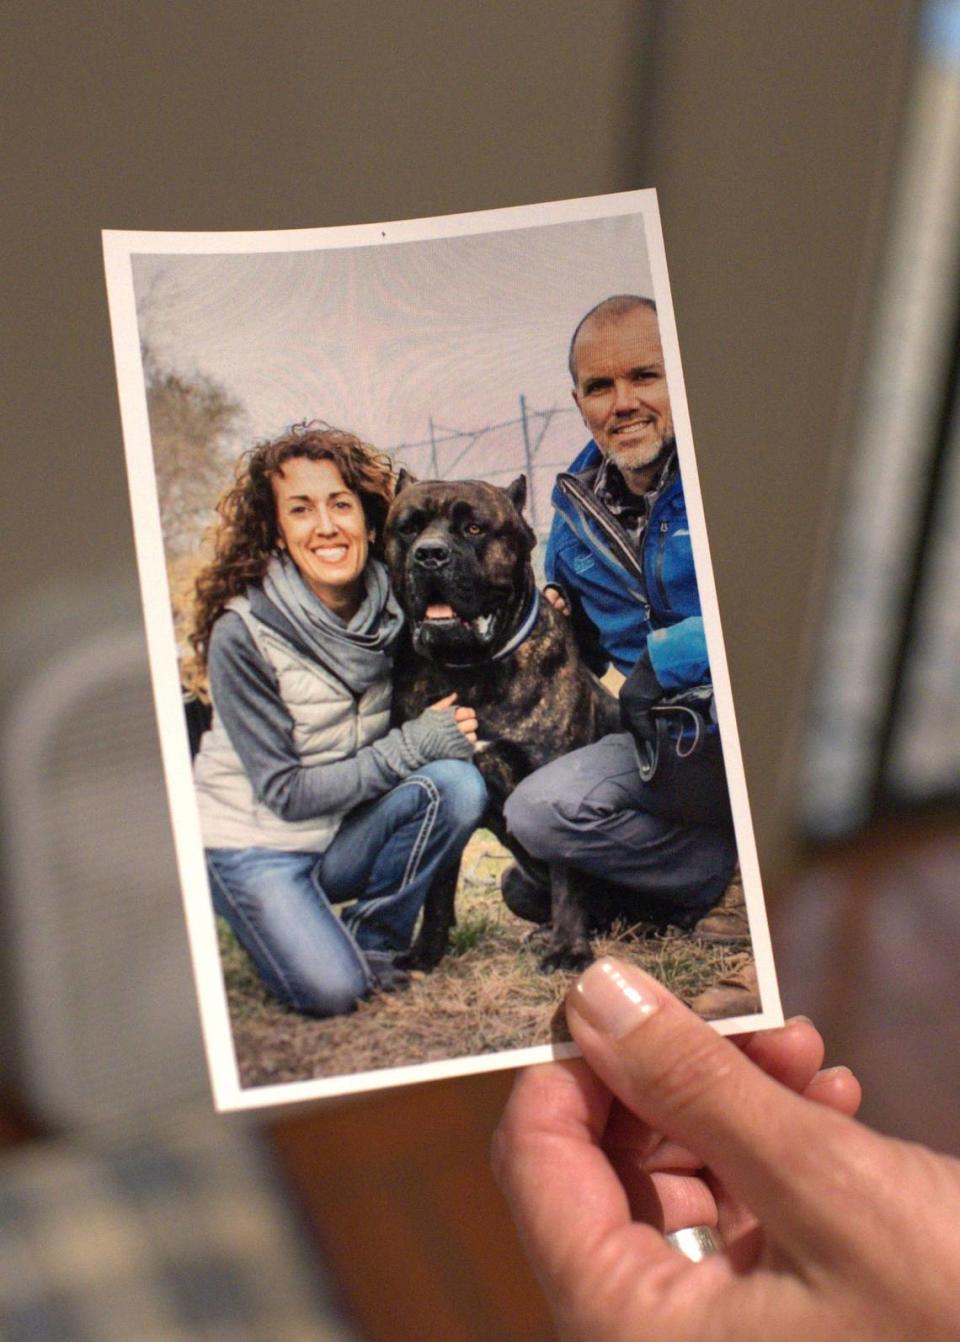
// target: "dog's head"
[[459, 558]]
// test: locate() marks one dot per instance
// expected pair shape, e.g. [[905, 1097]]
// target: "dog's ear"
[[516, 492], [404, 478]]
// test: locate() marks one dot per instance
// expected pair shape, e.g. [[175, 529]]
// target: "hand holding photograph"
[[437, 659]]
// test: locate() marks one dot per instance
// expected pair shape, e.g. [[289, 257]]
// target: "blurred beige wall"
[[766, 127], [776, 134]]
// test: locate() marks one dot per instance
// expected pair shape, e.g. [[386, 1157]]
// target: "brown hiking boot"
[[726, 924], [736, 994]]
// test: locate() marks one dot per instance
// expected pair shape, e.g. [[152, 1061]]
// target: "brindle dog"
[[459, 559]]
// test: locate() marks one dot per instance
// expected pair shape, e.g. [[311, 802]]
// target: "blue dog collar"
[[520, 635], [524, 631]]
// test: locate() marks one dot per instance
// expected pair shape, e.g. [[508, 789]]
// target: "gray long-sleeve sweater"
[[292, 748]]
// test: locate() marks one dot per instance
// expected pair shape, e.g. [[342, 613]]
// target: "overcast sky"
[[379, 338]]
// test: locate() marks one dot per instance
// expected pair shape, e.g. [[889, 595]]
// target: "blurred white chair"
[[104, 1015], [150, 1217]]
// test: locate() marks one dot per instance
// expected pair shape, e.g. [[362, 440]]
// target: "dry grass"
[[486, 996]]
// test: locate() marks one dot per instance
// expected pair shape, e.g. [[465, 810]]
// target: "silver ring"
[[696, 1242]]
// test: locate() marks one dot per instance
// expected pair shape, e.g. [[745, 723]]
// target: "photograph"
[[435, 644]]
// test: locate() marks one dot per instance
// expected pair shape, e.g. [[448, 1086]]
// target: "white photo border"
[[120, 248]]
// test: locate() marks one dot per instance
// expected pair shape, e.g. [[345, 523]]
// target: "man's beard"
[[640, 456]]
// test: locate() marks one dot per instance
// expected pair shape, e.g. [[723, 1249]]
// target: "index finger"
[[564, 1194], [556, 598]]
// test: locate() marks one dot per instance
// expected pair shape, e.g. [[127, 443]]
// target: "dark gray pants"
[[592, 810]]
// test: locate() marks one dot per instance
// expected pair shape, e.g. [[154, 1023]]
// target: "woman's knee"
[[334, 993], [462, 791]]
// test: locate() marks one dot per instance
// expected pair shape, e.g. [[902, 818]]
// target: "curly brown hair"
[[246, 537]]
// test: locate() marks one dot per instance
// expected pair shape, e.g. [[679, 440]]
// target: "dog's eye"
[[474, 529], [407, 526]]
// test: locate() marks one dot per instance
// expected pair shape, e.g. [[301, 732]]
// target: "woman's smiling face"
[[323, 529]]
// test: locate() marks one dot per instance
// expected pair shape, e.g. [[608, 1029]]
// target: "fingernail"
[[614, 997], [839, 1070], [804, 1019]]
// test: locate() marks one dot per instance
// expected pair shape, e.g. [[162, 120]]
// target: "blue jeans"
[[383, 857]]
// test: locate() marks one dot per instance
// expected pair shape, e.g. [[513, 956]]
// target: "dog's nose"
[[431, 554]]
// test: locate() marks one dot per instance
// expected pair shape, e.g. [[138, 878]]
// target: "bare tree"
[[194, 425]]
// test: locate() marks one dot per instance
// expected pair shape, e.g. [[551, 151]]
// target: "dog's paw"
[[538, 938], [420, 957], [569, 958]]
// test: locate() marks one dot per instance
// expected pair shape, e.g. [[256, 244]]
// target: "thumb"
[[784, 1157]]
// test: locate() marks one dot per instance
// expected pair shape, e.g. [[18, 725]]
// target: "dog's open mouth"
[[442, 632], [439, 614]]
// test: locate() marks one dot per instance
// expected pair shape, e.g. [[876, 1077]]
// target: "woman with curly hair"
[[307, 798]]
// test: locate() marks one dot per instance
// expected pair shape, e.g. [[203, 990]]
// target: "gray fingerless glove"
[[434, 735]]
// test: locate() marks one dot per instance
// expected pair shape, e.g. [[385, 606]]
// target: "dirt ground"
[[486, 996]]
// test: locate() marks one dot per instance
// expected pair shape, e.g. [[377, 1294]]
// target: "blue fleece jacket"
[[627, 604]]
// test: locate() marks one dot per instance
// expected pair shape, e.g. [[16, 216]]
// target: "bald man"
[[619, 560]]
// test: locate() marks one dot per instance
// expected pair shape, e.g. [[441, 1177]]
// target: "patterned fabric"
[[632, 511], [185, 1238]]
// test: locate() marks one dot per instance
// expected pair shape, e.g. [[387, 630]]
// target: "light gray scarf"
[[359, 652]]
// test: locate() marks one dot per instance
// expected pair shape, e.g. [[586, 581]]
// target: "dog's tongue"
[[437, 612]]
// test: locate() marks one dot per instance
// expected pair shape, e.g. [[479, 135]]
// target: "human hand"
[[556, 599], [465, 718], [831, 1230]]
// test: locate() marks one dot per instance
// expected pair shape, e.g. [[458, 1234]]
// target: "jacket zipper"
[[659, 564], [575, 491]]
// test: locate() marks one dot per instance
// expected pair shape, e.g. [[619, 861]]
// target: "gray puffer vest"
[[330, 724]]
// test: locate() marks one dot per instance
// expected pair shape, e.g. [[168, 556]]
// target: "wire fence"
[[537, 443]]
